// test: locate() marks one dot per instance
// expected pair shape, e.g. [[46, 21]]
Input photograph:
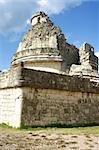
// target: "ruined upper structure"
[[44, 47]]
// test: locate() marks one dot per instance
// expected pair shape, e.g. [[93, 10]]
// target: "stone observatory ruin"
[[49, 81]]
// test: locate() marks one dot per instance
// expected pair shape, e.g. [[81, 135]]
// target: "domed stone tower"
[[44, 47]]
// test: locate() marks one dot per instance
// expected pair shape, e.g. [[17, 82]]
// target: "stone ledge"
[[23, 77], [41, 79]]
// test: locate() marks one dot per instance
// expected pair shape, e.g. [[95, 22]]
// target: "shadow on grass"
[[39, 127], [61, 126]]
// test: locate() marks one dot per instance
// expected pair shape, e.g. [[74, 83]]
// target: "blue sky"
[[78, 19]]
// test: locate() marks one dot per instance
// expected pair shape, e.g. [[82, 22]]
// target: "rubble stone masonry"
[[41, 98]]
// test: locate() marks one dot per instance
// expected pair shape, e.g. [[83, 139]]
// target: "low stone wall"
[[29, 97]]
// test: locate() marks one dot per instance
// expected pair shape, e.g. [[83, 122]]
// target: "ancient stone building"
[[44, 47], [49, 81]]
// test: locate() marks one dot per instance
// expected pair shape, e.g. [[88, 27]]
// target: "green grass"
[[81, 130], [3, 125], [57, 130]]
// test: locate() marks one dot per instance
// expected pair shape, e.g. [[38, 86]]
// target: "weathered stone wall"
[[88, 57], [47, 106], [44, 66], [69, 53], [58, 99], [10, 106], [10, 78], [48, 80], [10, 97], [30, 97]]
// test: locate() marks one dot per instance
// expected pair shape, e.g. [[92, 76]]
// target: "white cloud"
[[2, 1], [15, 13], [56, 6]]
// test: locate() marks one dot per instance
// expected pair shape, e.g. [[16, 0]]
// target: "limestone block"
[[11, 106]]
